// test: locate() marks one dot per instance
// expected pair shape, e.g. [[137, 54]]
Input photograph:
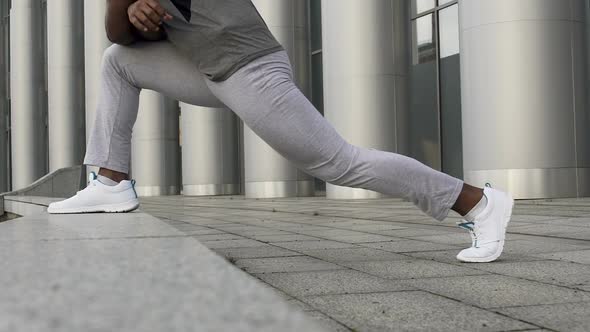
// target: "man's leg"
[[126, 70], [264, 96]]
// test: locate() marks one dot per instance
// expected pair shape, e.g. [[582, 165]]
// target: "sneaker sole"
[[111, 208], [498, 253]]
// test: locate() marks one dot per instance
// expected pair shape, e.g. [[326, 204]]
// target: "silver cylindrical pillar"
[[363, 86], [210, 164], [523, 82], [95, 43], [155, 153], [65, 80], [28, 100], [4, 166], [268, 174]]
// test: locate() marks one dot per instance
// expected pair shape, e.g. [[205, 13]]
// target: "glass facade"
[[435, 96]]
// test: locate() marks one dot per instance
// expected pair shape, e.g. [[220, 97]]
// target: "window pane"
[[449, 31], [423, 42], [420, 6], [442, 2]]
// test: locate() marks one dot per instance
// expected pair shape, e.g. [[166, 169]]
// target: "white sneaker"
[[488, 231], [99, 197]]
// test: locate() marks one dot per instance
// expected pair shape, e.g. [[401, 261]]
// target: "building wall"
[[510, 108]]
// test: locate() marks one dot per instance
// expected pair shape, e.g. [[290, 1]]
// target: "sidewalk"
[[381, 265]]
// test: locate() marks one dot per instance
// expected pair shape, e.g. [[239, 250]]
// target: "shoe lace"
[[472, 227], [473, 230]]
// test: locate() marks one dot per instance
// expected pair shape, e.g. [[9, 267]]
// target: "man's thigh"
[[159, 66]]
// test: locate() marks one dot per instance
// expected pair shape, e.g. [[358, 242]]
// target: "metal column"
[[28, 100], [210, 164], [524, 85], [65, 48], [267, 174], [155, 157], [95, 43], [365, 58]]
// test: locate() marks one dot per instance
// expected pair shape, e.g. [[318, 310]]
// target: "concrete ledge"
[[26, 205], [62, 183], [126, 272]]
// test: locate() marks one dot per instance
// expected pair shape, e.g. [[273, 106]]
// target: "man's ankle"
[[113, 175], [470, 196]]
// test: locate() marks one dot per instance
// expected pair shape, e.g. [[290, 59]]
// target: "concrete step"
[[126, 272]]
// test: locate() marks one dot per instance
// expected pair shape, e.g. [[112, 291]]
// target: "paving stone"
[[559, 317], [546, 229], [499, 291], [326, 322], [300, 304], [285, 264], [333, 232], [463, 240], [283, 238], [266, 251], [217, 237], [353, 254], [414, 231], [552, 272], [410, 311], [541, 245], [300, 284], [531, 218], [407, 246], [410, 269], [310, 245], [450, 256], [263, 233], [244, 243], [204, 232], [580, 256], [363, 238], [373, 228], [577, 222]]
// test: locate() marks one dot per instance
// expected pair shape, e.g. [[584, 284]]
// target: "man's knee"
[[115, 55]]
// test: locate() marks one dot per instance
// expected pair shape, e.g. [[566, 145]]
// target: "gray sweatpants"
[[264, 96]]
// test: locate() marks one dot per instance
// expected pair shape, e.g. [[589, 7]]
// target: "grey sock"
[[107, 181], [477, 209]]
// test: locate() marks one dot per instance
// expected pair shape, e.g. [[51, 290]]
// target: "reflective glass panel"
[[423, 42], [442, 2], [420, 6], [449, 31]]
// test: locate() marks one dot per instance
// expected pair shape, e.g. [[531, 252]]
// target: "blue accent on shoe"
[[92, 176], [467, 225], [133, 182]]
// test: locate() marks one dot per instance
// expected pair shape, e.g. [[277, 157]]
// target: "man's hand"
[[147, 15]]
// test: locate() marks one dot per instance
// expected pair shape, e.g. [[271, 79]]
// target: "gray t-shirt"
[[220, 36]]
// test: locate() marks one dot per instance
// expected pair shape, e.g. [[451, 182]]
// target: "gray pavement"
[[381, 265], [127, 272]]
